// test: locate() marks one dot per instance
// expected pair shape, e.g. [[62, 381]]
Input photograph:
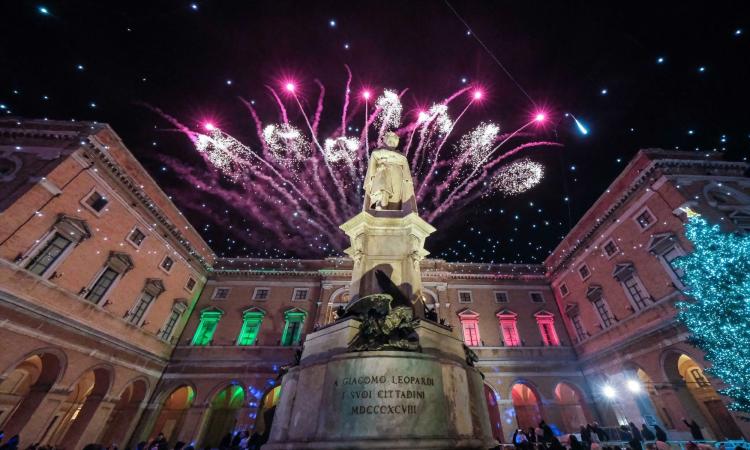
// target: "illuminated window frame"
[[294, 322], [252, 319], [470, 328], [545, 321], [508, 322], [209, 322]]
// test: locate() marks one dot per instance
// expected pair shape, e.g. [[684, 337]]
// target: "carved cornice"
[[665, 165], [98, 152]]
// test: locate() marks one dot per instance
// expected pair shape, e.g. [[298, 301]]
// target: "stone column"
[[193, 424], [31, 424], [145, 424], [95, 427], [82, 423]]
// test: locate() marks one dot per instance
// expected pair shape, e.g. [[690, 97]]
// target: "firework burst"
[[295, 187]]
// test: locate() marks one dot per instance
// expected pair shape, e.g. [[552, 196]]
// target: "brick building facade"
[[118, 322]]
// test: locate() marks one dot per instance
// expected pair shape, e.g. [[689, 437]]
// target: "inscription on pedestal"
[[383, 394], [371, 396]]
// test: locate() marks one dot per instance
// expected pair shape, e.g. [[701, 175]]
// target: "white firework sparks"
[[341, 149], [287, 143], [439, 114], [478, 143], [390, 110], [518, 176]]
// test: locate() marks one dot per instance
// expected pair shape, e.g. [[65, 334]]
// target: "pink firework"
[[296, 184]]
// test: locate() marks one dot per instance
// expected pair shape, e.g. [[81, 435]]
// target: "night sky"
[[637, 74]]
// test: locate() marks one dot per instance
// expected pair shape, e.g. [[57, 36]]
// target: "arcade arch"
[[571, 403], [222, 414], [173, 411], [25, 386], [697, 394], [125, 412], [526, 405]]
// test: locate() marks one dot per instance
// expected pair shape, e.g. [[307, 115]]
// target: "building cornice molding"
[[80, 329], [99, 152], [660, 164]]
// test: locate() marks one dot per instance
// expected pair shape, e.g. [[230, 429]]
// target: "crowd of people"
[[594, 437], [542, 437]]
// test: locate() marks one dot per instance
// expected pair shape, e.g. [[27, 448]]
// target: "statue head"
[[390, 140]]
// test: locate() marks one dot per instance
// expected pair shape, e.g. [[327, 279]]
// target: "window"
[[55, 245], [546, 323], [221, 293], [49, 254], [667, 248], [300, 294], [610, 248], [95, 202], [101, 286], [166, 264], [190, 285], [261, 293], [464, 296], [603, 311], [699, 378], [136, 237], [574, 314], [564, 290], [470, 327], [536, 297], [209, 320], [294, 319], [139, 311], [117, 264], [178, 309], [578, 327], [509, 329], [645, 219], [584, 272], [251, 320], [501, 297], [636, 292], [151, 291], [625, 274]]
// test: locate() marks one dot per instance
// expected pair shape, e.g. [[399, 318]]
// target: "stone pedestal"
[[337, 399], [389, 241]]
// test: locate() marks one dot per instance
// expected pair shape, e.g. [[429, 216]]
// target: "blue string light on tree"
[[717, 276]]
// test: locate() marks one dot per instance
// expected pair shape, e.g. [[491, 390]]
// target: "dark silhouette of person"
[[521, 440], [661, 435], [600, 433], [647, 434], [635, 432], [695, 430], [575, 444], [12, 443]]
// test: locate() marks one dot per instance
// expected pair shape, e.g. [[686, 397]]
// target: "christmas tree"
[[717, 276]]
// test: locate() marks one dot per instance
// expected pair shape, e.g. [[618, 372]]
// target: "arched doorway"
[[25, 387], [267, 409], [572, 410], [172, 413], [125, 412], [493, 408], [526, 405], [223, 414], [79, 408], [699, 395], [651, 405]]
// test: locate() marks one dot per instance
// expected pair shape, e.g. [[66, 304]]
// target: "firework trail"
[[301, 183]]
